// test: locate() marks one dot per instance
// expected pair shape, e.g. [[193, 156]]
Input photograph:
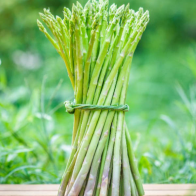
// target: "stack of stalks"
[[97, 43]]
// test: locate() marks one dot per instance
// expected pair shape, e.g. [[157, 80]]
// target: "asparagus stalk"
[[96, 45], [126, 166], [79, 53], [79, 65], [64, 35], [105, 177], [133, 164], [88, 59], [71, 45], [88, 13], [103, 162], [117, 146], [104, 23]]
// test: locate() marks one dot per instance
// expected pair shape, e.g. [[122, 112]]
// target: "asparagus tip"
[[41, 26]]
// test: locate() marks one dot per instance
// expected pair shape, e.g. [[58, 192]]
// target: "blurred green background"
[[35, 130]]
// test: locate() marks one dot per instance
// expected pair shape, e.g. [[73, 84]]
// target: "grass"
[[36, 131]]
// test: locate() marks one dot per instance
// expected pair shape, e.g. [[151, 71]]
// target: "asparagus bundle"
[[97, 45]]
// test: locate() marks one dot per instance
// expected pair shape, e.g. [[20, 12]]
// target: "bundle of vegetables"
[[97, 45]]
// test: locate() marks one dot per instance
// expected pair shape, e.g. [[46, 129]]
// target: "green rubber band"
[[71, 106]]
